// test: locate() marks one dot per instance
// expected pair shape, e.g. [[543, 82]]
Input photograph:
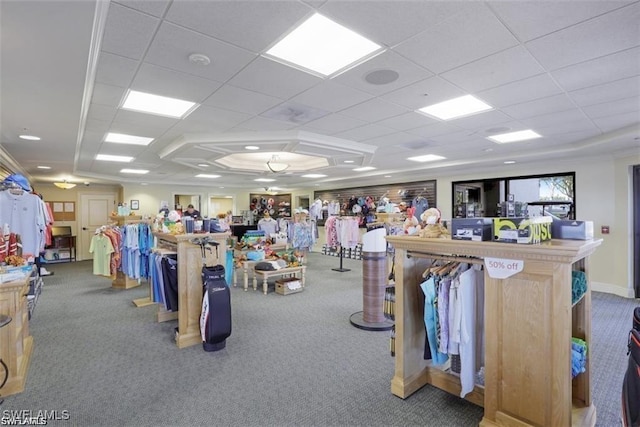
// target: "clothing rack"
[[427, 255], [341, 269], [121, 280]]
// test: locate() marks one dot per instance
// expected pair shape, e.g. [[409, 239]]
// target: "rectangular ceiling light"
[[521, 135], [314, 175], [121, 138], [455, 108], [136, 171], [110, 158], [323, 47], [158, 105], [207, 175], [426, 158], [364, 169], [264, 180]]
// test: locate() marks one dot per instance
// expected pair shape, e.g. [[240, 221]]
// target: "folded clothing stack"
[[578, 285], [578, 356]]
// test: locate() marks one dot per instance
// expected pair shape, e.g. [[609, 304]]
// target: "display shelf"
[[62, 249], [16, 342], [531, 320]]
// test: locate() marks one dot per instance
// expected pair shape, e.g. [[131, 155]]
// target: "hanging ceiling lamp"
[[275, 165], [64, 185]]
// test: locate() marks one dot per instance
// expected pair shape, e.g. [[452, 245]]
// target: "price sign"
[[501, 268]]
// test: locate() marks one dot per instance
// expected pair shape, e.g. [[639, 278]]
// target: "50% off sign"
[[501, 268]]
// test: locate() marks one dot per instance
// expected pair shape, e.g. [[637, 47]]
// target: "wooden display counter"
[[190, 282], [16, 343], [529, 322]]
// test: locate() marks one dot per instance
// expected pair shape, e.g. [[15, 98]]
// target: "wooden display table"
[[189, 282], [248, 265], [266, 274], [529, 322], [16, 343]]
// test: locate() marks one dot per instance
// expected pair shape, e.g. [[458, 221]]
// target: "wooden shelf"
[[529, 319]]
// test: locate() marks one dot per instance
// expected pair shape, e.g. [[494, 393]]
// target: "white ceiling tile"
[[408, 72], [253, 25], [158, 124], [495, 70], [397, 141], [540, 86], [562, 120], [616, 66], [331, 96], [103, 113], [263, 124], [216, 117], [435, 129], [607, 109], [128, 32], [532, 19], [115, 70], [294, 112], [155, 7], [540, 106], [472, 34], [619, 89], [172, 46], [374, 110], [165, 82], [107, 95], [241, 100], [389, 22], [407, 121], [618, 121], [423, 93], [617, 30], [271, 78], [333, 123], [363, 133]]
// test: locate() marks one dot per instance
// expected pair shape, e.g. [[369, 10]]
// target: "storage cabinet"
[[16, 343], [62, 249], [529, 322]]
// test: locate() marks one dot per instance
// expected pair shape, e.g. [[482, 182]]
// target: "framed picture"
[[135, 205]]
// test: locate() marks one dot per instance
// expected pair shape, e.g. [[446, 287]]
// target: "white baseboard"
[[612, 289]]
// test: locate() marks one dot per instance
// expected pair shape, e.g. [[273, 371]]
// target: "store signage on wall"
[[501, 268]]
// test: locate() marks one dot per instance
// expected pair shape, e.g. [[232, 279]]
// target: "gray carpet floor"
[[291, 360]]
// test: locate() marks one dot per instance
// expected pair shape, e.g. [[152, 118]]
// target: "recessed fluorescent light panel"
[[426, 158], [314, 175], [364, 169], [134, 171], [264, 180], [521, 135], [44, 167], [251, 147], [158, 105], [121, 138], [29, 137], [207, 175], [455, 108], [110, 158], [321, 46]]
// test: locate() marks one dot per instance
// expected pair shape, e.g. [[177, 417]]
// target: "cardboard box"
[[477, 229], [522, 230], [290, 285], [570, 229]]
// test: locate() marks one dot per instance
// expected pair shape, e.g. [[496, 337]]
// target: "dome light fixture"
[[275, 165], [64, 185]]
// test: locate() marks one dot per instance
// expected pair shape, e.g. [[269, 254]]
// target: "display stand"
[[189, 282], [341, 269], [16, 343], [122, 281], [529, 319]]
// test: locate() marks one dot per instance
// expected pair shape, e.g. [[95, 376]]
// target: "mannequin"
[[268, 224]]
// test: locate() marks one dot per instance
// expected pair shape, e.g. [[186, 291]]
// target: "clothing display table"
[[529, 320], [266, 274], [16, 343]]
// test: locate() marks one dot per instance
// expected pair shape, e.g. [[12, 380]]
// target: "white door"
[[95, 210]]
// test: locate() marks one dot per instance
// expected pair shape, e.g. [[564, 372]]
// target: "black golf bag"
[[631, 382], [215, 319]]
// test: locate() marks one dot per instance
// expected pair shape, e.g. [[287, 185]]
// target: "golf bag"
[[631, 382], [215, 318]]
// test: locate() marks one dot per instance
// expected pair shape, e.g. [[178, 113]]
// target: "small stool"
[[4, 321]]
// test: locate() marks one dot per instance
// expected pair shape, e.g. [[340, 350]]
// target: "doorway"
[[220, 205], [181, 201], [95, 211]]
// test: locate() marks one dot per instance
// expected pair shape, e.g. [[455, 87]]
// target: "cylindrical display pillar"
[[374, 281]]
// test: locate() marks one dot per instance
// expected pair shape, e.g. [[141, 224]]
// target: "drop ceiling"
[[568, 70]]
